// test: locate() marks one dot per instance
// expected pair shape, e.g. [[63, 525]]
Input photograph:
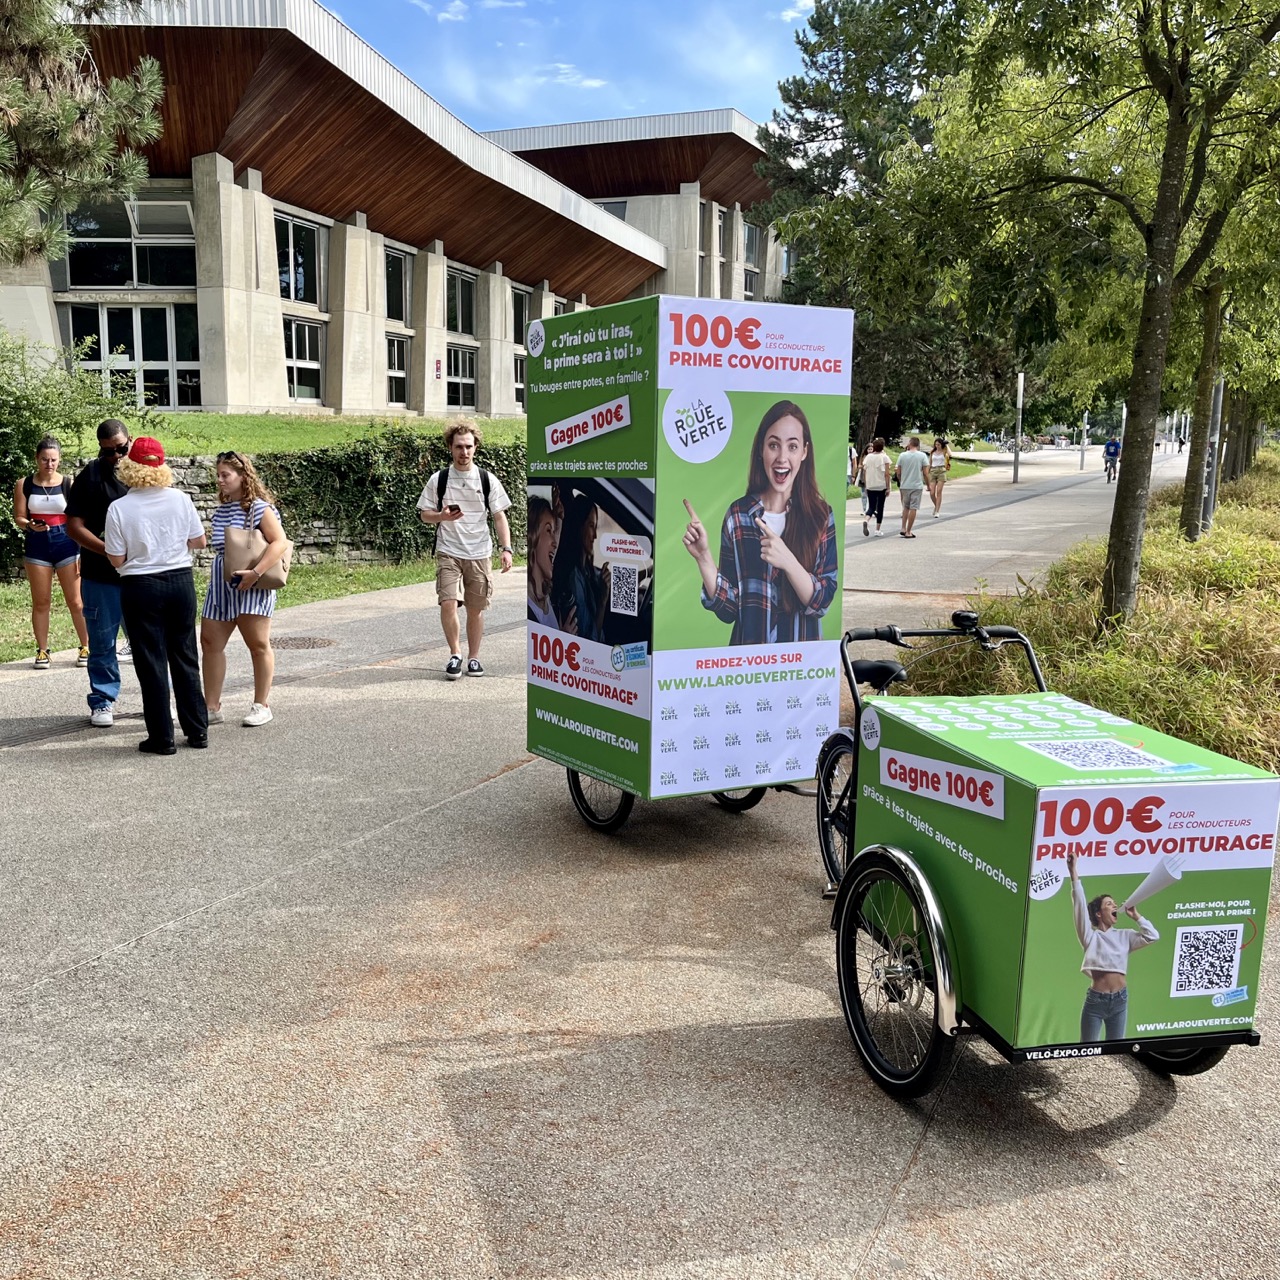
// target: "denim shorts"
[[50, 547]]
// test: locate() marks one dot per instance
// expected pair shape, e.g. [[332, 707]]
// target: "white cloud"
[[798, 9], [502, 4], [454, 11], [423, 5], [567, 74]]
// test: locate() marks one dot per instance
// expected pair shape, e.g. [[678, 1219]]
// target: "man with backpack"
[[459, 501]]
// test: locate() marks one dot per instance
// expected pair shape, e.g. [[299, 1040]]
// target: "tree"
[[66, 135], [1150, 120]]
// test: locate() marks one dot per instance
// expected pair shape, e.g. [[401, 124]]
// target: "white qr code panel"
[[623, 589], [1206, 959], [1099, 755]]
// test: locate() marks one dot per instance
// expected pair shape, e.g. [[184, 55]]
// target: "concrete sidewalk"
[[357, 995]]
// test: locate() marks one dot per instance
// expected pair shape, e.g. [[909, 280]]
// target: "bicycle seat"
[[878, 673]]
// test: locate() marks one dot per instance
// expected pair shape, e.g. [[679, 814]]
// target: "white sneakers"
[[258, 714], [215, 717], [124, 652], [103, 717]]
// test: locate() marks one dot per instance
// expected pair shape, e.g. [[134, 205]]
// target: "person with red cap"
[[149, 536]]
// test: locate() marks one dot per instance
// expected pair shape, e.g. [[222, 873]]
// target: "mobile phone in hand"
[[452, 507], [236, 580]]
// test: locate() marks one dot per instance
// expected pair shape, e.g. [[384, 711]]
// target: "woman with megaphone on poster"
[[777, 572], [1106, 958]]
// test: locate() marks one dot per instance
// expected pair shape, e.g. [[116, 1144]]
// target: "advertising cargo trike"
[[1059, 880]]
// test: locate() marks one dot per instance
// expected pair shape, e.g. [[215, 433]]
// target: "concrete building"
[[318, 234]]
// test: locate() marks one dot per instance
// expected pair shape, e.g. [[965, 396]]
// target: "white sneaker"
[[258, 714], [124, 652], [215, 717], [879, 533], [102, 718]]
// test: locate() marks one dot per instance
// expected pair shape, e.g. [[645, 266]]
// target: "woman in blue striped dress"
[[244, 502]]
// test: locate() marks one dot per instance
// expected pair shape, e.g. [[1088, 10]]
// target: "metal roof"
[[592, 133]]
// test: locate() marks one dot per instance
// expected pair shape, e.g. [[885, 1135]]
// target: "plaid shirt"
[[748, 590]]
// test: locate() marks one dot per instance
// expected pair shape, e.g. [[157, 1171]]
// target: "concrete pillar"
[[355, 358], [682, 246], [26, 303], [427, 367], [710, 255], [542, 303], [237, 293], [735, 245], [494, 381]]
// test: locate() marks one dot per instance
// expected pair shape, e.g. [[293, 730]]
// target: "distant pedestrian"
[[1111, 456], [149, 538], [939, 465], [454, 501], [244, 606], [877, 467], [910, 473], [92, 493], [40, 511]]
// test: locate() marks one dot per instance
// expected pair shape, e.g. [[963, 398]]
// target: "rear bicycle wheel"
[[1182, 1062], [739, 801], [888, 982], [836, 805], [602, 805]]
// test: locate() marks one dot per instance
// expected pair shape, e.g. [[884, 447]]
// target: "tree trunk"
[[870, 413], [1150, 352], [1198, 445]]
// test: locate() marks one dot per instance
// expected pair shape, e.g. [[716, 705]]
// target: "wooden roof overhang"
[[648, 155], [265, 99]]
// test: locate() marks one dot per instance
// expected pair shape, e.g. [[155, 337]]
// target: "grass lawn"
[[208, 433], [307, 584]]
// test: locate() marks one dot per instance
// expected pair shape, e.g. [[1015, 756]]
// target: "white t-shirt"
[[777, 521], [877, 467], [151, 528], [468, 538]]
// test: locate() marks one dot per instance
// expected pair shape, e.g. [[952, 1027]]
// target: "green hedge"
[[369, 488]]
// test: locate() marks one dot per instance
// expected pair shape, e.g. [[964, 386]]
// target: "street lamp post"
[[1084, 436], [1017, 431]]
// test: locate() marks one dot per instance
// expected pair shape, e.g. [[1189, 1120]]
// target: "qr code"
[[623, 596], [1206, 959], [1097, 755]]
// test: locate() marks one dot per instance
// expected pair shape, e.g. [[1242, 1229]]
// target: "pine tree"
[[67, 136]]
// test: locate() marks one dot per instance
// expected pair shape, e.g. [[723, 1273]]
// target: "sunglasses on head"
[[231, 456]]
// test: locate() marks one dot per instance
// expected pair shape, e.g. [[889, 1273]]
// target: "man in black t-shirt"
[[94, 490]]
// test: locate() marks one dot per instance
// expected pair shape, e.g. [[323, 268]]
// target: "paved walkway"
[[357, 995]]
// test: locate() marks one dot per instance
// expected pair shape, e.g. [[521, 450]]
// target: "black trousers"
[[875, 504], [160, 616]]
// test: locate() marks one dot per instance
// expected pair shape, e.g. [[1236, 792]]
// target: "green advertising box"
[[1102, 882], [686, 533]]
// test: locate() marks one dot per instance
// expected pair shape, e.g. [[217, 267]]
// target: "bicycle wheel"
[[739, 801], [888, 984], [1182, 1062], [601, 804], [836, 804]]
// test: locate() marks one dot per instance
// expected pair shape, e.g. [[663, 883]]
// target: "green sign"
[[1102, 881], [686, 530]]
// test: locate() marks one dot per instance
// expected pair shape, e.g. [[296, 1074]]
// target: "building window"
[[702, 226], [302, 359], [397, 370], [461, 391], [752, 245], [520, 304], [561, 306], [788, 261], [720, 232], [140, 245], [298, 257], [519, 381], [397, 285], [150, 354], [702, 278], [460, 294], [616, 207], [750, 279]]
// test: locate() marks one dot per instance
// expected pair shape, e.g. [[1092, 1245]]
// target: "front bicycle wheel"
[[836, 805], [888, 982], [601, 804], [1182, 1062], [739, 801]]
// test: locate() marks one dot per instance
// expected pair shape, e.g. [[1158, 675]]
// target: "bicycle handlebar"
[[889, 635]]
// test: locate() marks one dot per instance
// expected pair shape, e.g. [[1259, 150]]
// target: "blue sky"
[[499, 64]]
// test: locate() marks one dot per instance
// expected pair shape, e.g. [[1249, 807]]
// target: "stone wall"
[[318, 540]]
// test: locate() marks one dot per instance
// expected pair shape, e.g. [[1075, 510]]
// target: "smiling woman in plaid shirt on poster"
[[777, 571]]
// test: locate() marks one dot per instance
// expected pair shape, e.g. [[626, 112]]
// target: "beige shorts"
[[937, 474], [468, 582]]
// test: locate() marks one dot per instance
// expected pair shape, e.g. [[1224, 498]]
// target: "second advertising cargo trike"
[[1063, 882]]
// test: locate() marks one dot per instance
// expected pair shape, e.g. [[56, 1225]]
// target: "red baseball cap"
[[148, 451]]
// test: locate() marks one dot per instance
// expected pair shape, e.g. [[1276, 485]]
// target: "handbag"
[[244, 547]]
